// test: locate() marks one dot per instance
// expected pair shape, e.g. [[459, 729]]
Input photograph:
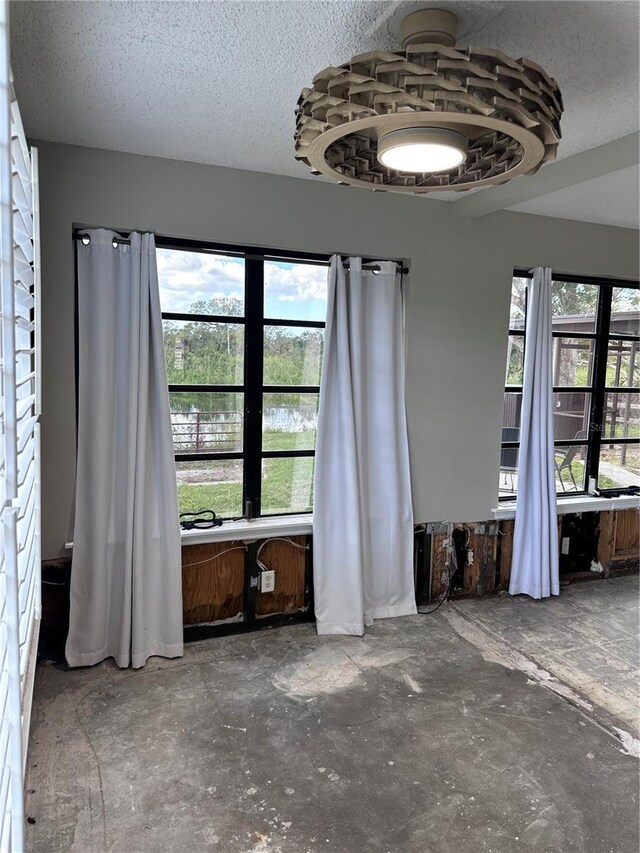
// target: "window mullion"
[[253, 377], [596, 423], [596, 441]]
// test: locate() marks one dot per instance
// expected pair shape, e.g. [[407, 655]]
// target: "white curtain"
[[362, 513], [126, 597], [534, 568]]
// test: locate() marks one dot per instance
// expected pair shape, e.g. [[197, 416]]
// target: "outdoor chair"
[[564, 456], [509, 455]]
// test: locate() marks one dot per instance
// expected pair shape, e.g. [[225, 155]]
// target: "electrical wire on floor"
[[442, 601], [452, 558]]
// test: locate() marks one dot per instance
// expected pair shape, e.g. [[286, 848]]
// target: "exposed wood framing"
[[618, 543], [627, 538], [482, 555], [213, 580], [606, 540], [288, 562], [440, 544], [560, 517], [212, 585], [505, 552]]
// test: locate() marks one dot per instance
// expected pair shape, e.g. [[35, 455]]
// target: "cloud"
[[300, 281], [188, 277], [292, 290], [301, 286]]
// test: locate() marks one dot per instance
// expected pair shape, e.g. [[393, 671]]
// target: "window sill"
[[248, 531], [579, 504]]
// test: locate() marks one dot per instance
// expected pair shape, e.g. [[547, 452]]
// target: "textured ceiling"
[[217, 82], [609, 200]]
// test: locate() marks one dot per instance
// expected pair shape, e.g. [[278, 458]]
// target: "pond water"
[[223, 430]]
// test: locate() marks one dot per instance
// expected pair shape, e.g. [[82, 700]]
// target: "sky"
[[292, 291]]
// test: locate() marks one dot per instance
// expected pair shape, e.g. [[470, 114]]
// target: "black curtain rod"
[[572, 278], [367, 263], [86, 239]]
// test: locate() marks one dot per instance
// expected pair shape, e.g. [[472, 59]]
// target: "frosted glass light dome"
[[422, 150]]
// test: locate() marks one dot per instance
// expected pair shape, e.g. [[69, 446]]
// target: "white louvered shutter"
[[19, 450], [26, 273]]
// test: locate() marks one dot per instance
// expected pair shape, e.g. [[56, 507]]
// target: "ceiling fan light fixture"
[[422, 150], [496, 117]]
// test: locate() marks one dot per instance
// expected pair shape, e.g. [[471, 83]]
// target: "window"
[[243, 336], [596, 373]]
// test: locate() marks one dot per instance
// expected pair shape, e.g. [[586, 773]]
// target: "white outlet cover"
[[565, 544], [267, 581]]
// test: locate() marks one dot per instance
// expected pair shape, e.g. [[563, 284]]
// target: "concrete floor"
[[469, 730], [586, 638]]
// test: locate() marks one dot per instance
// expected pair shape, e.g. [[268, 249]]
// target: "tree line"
[[567, 299], [209, 353]]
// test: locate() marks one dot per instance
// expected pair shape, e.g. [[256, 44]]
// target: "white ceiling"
[[614, 197], [217, 82]]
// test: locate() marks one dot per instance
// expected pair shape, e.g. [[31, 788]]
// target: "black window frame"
[[598, 386], [253, 388]]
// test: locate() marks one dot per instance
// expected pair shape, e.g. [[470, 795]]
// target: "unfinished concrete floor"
[[431, 734]]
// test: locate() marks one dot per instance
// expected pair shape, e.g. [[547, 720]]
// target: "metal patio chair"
[[564, 456], [509, 455]]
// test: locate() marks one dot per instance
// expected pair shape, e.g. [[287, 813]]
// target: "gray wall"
[[457, 312]]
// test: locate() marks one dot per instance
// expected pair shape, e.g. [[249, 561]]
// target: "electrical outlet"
[[565, 544], [267, 581]]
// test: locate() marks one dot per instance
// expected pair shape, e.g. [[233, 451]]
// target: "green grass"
[[287, 485], [632, 431], [289, 441], [577, 467], [224, 498]]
